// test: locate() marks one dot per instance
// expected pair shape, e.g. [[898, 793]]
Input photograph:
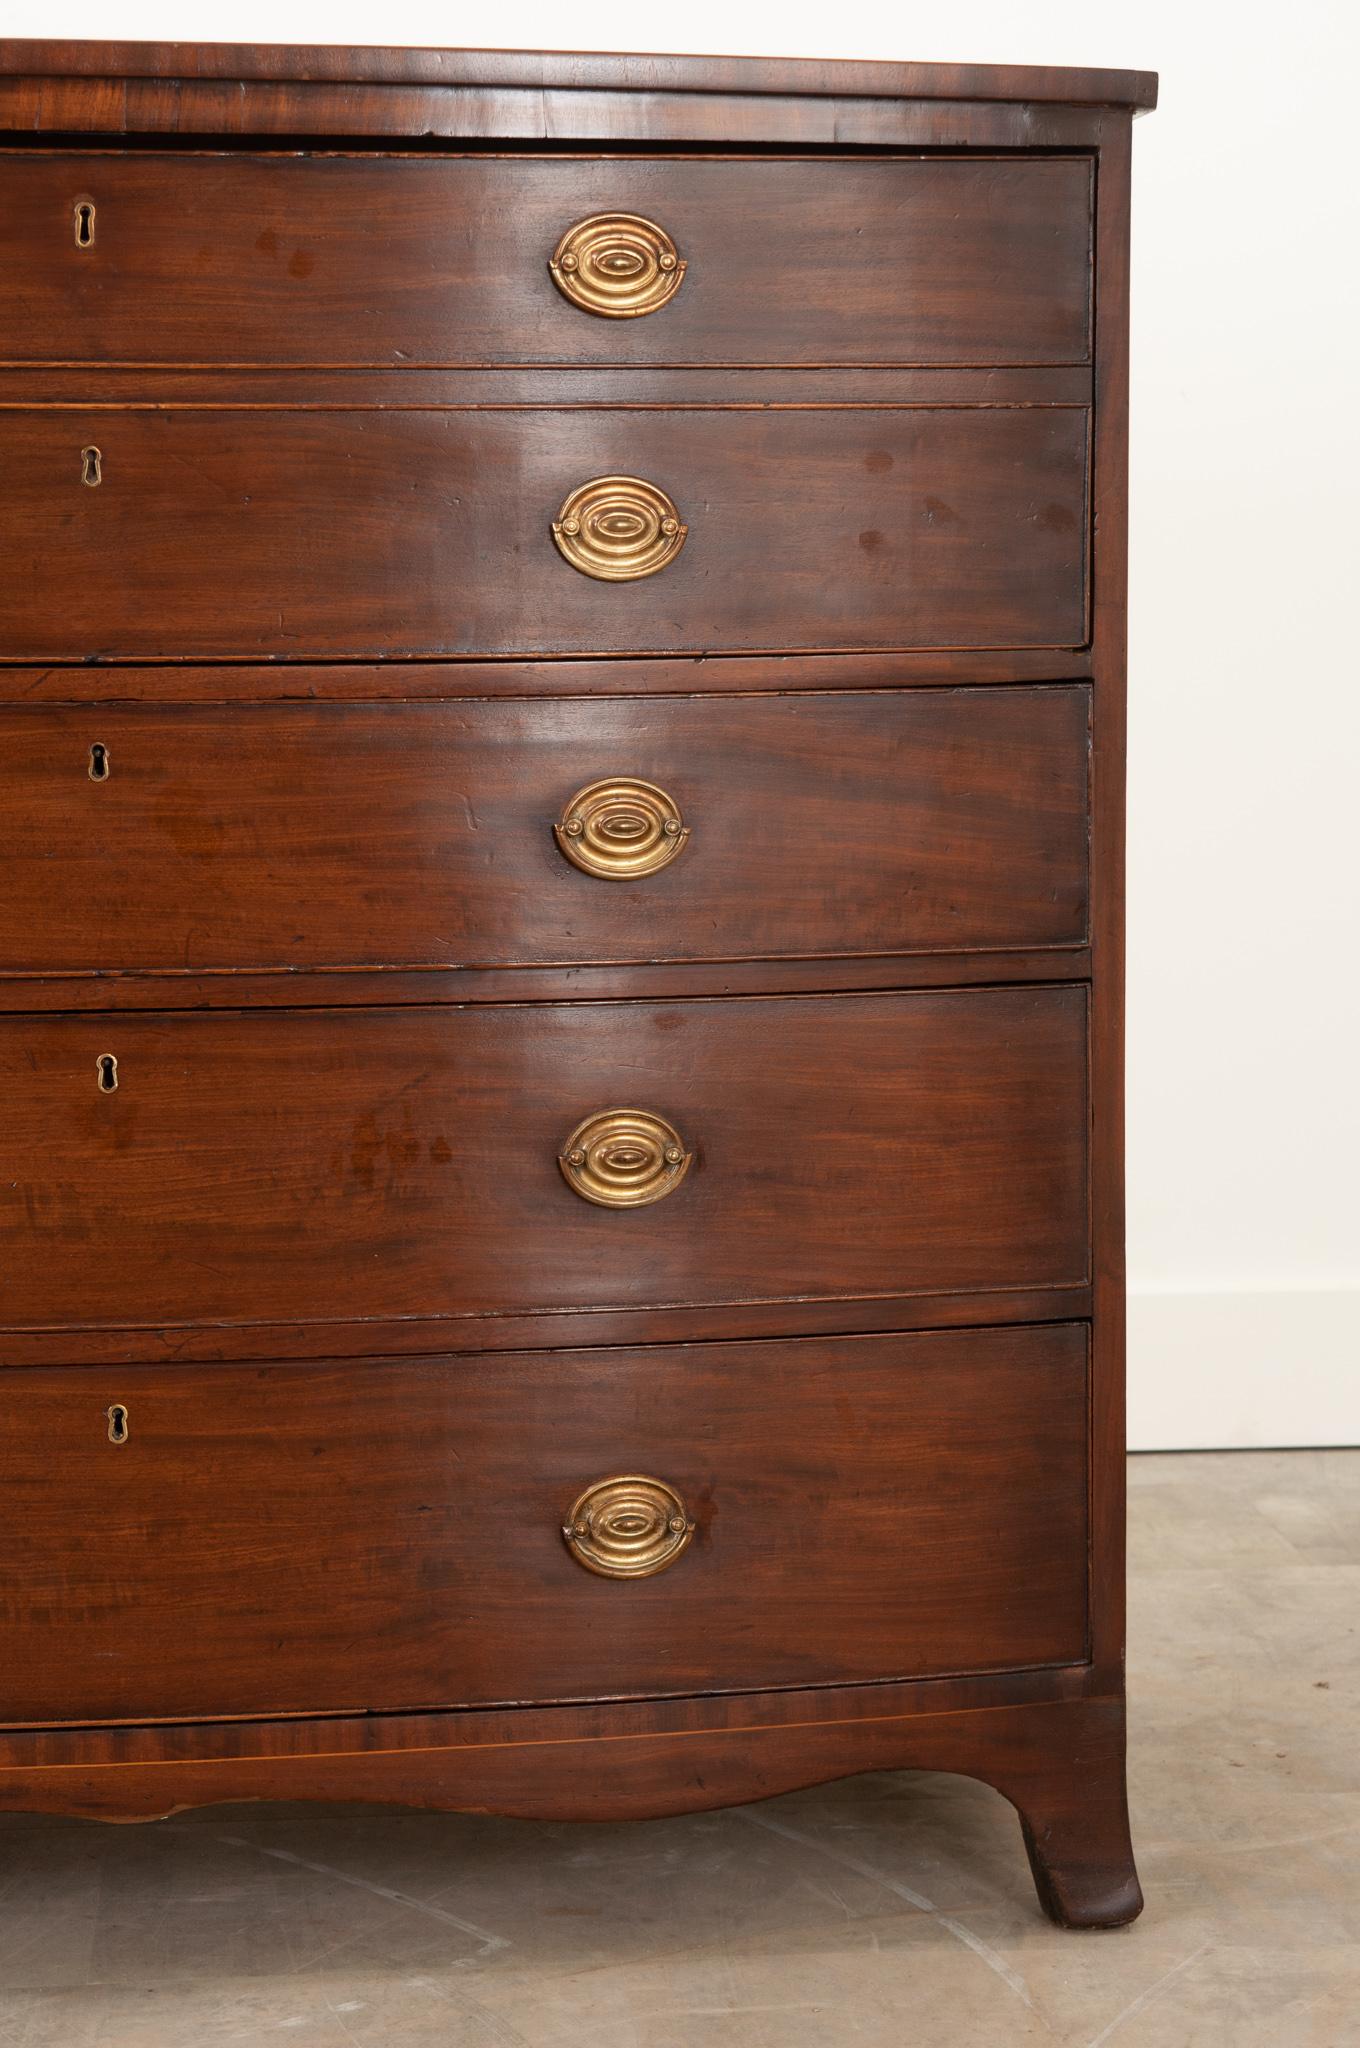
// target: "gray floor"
[[890, 1910]]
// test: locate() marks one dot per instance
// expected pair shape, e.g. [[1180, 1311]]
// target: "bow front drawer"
[[325, 1165], [339, 533], [372, 261], [552, 832], [461, 1531]]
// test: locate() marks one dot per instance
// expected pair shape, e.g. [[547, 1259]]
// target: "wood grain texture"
[[1056, 1755], [112, 1746], [418, 1336], [290, 988], [167, 387], [354, 1537], [216, 111], [886, 480], [491, 70], [245, 92], [425, 533], [1108, 776], [425, 261], [696, 675], [420, 835], [334, 1164]]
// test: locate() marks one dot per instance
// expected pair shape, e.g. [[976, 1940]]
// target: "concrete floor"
[[803, 1921]]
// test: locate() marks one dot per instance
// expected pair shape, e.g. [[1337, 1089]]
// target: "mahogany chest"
[[561, 720]]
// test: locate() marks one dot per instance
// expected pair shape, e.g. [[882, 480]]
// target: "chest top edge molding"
[[491, 70]]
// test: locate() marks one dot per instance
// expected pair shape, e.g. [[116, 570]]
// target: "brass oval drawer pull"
[[624, 1158], [618, 265], [621, 828], [628, 1528], [619, 528]]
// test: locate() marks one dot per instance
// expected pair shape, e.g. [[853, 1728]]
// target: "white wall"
[[1244, 1013]]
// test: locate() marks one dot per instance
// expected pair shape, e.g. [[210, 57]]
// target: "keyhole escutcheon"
[[99, 762], [84, 223], [91, 467], [106, 1066], [118, 1423]]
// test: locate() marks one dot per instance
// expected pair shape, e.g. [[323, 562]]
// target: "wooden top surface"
[[575, 70]]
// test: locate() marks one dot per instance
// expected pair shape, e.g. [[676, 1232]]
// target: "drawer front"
[[332, 1165], [359, 261], [478, 833], [313, 1539], [425, 532]]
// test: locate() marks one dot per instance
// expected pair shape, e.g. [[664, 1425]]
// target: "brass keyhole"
[[106, 1066], [118, 1423], [99, 762], [84, 219], [91, 467]]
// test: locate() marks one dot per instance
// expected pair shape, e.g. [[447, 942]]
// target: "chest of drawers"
[[561, 719]]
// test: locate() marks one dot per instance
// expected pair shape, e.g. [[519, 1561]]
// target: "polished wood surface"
[[367, 1163], [294, 684], [231, 91], [419, 1336], [111, 992], [341, 1538], [1108, 826], [1057, 1755], [422, 533], [576, 70], [694, 675], [415, 262], [420, 835], [479, 388]]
